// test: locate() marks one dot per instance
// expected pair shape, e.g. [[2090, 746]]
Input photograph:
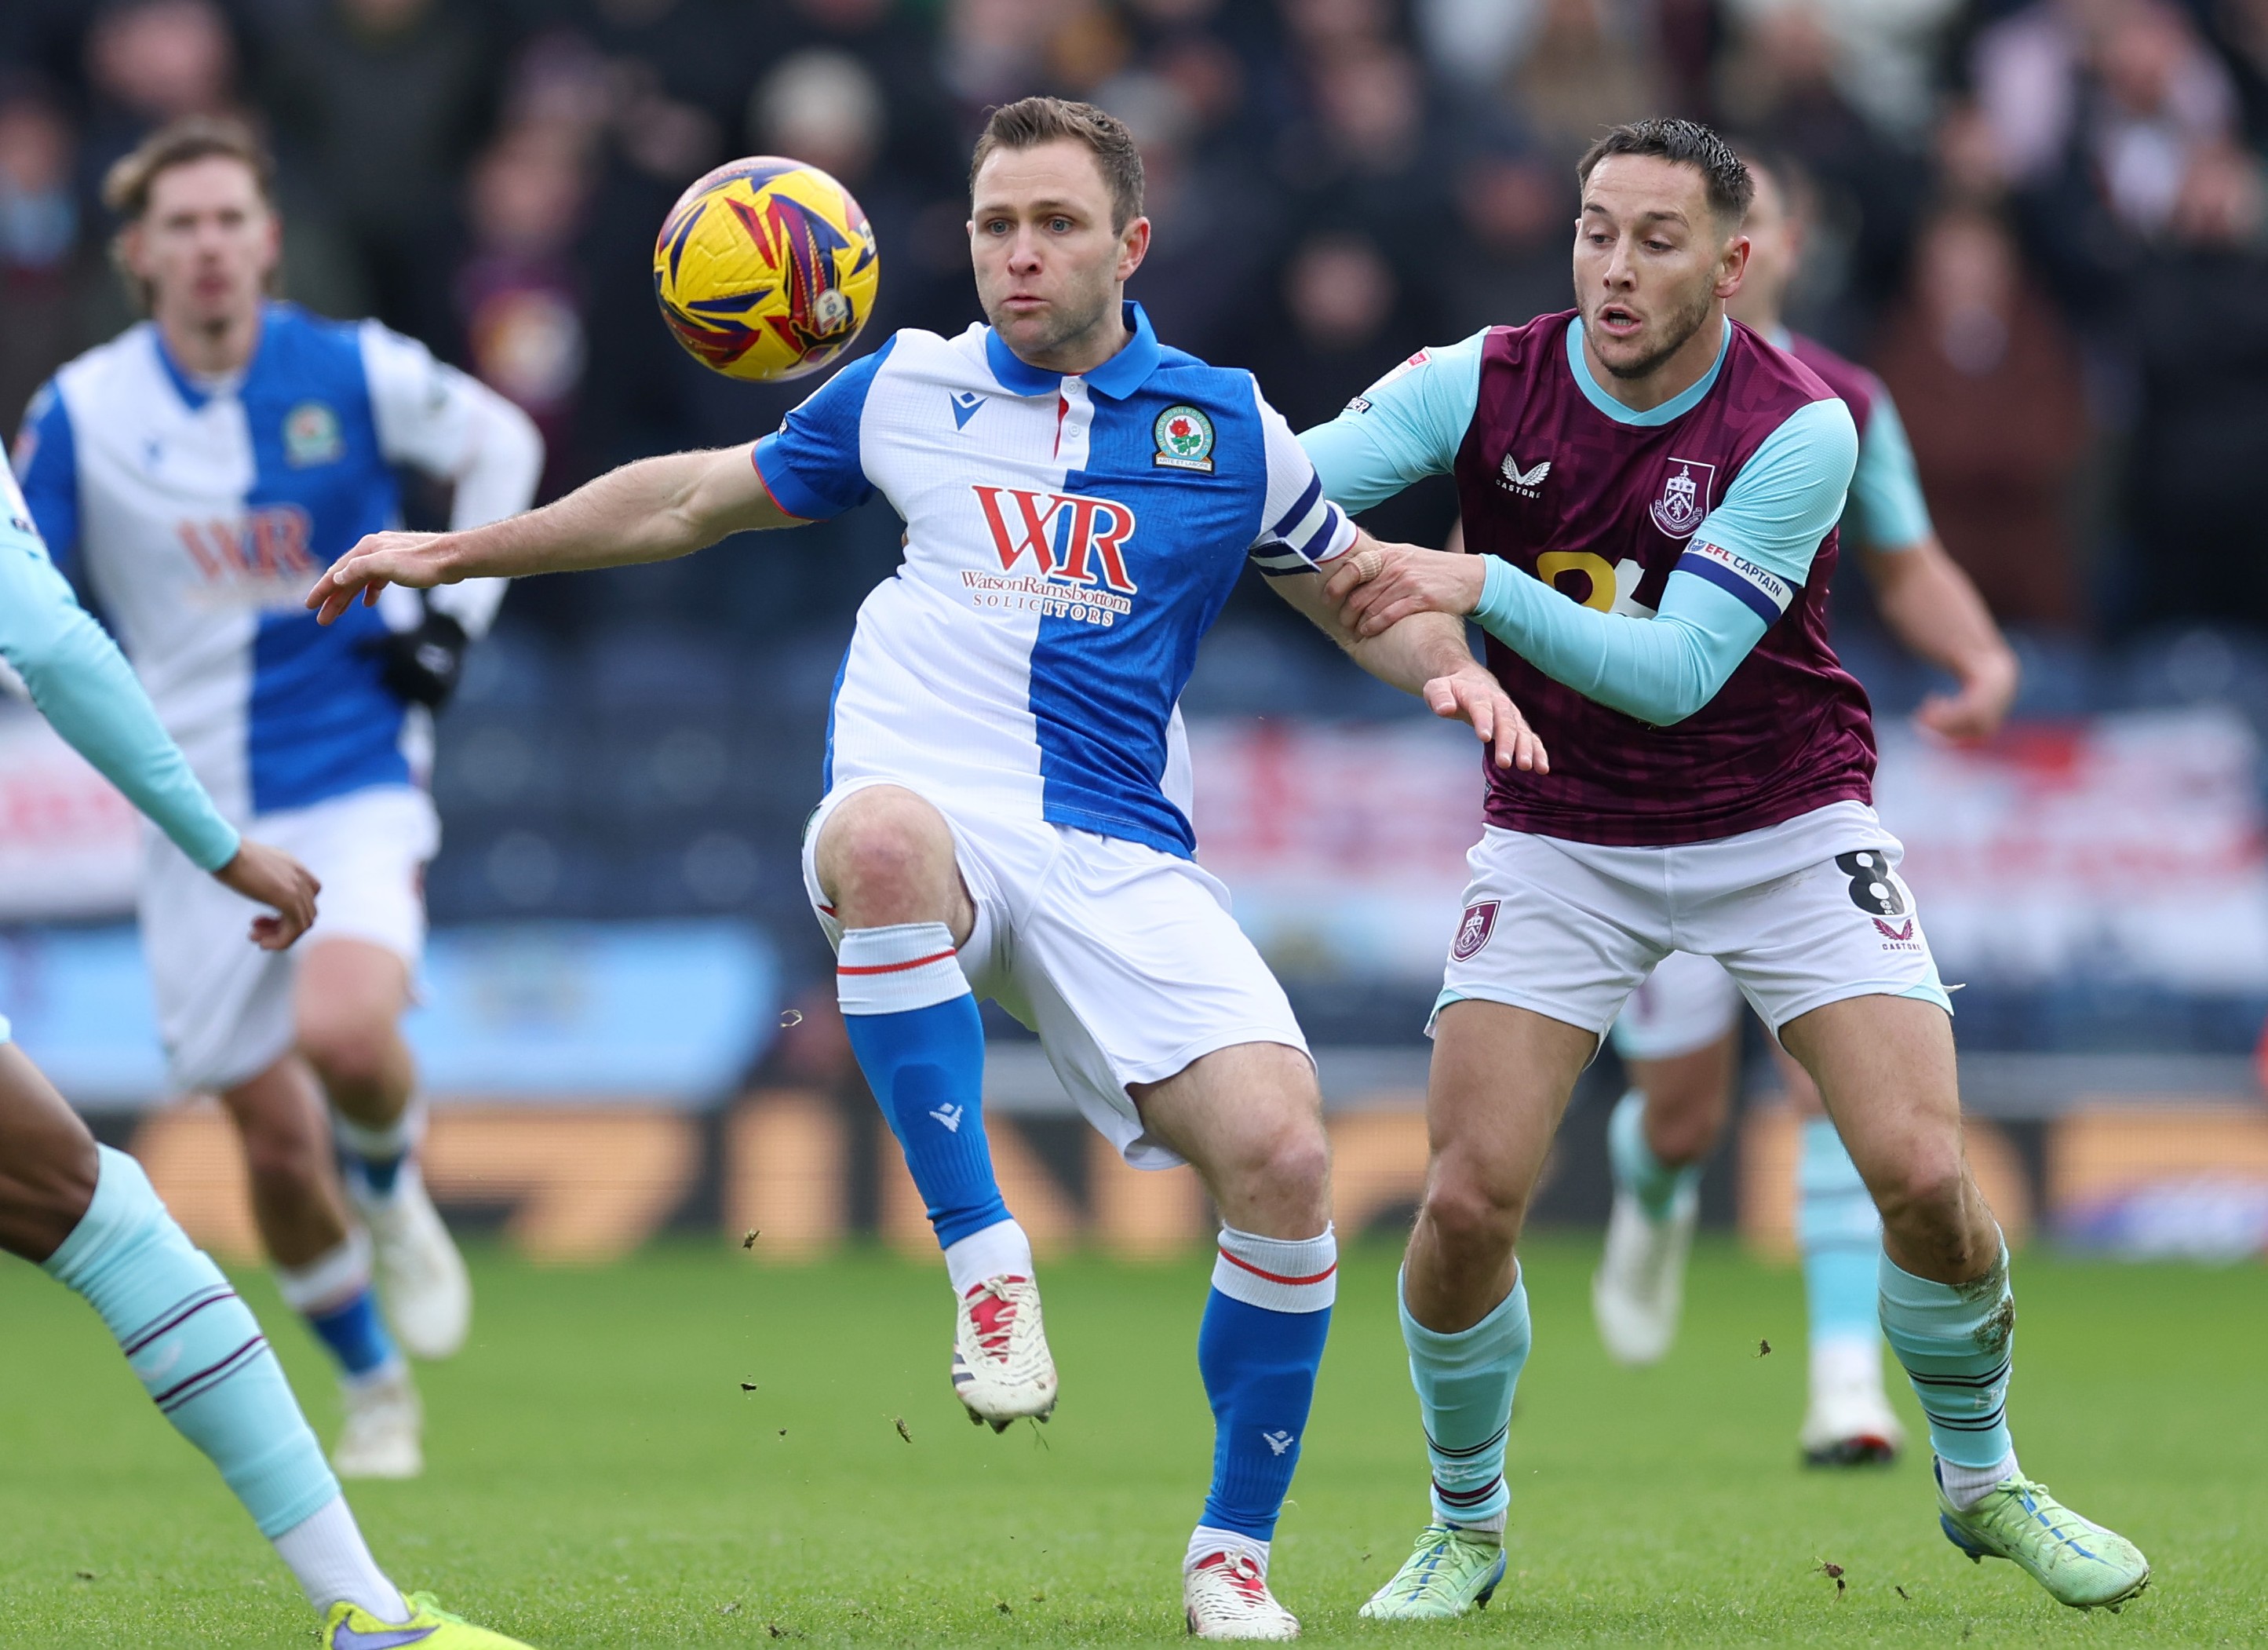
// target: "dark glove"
[[423, 665]]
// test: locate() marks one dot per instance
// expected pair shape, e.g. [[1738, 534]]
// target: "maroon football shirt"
[[1791, 731]]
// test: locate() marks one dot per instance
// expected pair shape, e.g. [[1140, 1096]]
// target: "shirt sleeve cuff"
[[211, 842], [788, 490]]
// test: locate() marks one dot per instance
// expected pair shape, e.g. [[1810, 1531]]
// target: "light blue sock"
[[1259, 1346], [1955, 1341], [195, 1346], [1841, 1237], [1465, 1383], [914, 1026], [1656, 1186]]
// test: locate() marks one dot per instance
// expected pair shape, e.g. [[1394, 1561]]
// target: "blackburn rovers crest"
[[1685, 500]]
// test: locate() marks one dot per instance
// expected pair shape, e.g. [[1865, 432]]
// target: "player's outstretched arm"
[[652, 510], [1425, 655], [1933, 607], [84, 686]]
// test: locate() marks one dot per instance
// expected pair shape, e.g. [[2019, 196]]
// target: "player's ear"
[[1133, 246], [1733, 265]]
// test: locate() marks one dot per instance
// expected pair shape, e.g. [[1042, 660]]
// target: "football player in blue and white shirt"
[[1008, 786], [198, 471]]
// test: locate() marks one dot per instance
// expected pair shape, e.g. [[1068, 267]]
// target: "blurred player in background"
[[1008, 786], [201, 469], [87, 1216], [1679, 1035], [1653, 490]]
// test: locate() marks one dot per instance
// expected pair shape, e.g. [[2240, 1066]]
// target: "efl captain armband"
[[1763, 591]]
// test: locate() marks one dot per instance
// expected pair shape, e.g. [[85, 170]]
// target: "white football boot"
[[428, 1294], [383, 1434], [1849, 1423], [1638, 1292], [1002, 1369], [1227, 1597]]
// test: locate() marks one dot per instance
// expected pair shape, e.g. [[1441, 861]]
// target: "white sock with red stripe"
[[1258, 1349], [914, 1026]]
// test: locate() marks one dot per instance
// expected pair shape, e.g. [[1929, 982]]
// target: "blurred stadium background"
[[2044, 223]]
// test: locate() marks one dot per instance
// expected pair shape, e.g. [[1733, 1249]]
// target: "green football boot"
[[2079, 1562], [1449, 1573]]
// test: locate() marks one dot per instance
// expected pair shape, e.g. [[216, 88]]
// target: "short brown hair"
[[1687, 144], [126, 186], [1031, 121]]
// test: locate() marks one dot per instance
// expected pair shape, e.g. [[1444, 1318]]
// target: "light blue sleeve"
[[1887, 510], [1405, 427], [84, 687], [1747, 562]]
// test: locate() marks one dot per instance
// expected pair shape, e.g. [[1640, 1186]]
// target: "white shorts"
[[1687, 1003], [224, 1005], [1124, 958], [1800, 914]]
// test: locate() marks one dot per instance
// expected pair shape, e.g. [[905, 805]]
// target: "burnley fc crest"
[[1684, 501]]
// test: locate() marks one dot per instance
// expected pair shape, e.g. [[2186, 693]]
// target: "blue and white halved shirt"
[[1068, 540], [202, 517]]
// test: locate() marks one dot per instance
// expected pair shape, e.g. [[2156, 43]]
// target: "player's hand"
[[419, 560], [270, 877], [1383, 583], [1477, 699], [1978, 707]]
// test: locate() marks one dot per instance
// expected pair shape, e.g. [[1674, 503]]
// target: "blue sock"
[[915, 1028], [194, 1345], [373, 1159], [1258, 1349], [1841, 1237], [1956, 1344], [333, 1294], [1465, 1382], [1655, 1185]]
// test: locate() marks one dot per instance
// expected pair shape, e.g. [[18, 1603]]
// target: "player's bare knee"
[[350, 1050], [1927, 1205], [1473, 1214], [887, 857]]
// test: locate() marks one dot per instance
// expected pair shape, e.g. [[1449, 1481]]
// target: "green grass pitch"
[[598, 1477]]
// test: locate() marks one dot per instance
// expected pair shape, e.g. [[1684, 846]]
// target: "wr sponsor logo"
[[1070, 537]]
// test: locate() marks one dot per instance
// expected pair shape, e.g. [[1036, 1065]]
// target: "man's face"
[[206, 244], [1048, 264], [1650, 259]]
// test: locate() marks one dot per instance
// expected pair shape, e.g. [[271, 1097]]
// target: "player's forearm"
[[1931, 606], [1660, 670], [89, 693], [654, 510], [1416, 650]]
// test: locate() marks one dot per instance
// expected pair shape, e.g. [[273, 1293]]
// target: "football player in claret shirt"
[[87, 1216], [1651, 490], [197, 472], [1007, 806], [1678, 1036]]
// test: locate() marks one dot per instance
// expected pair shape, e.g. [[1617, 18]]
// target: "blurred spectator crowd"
[[2043, 221]]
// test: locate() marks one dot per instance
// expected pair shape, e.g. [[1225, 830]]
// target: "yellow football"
[[766, 268]]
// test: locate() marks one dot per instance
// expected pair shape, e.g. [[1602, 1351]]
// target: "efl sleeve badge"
[[1185, 437]]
